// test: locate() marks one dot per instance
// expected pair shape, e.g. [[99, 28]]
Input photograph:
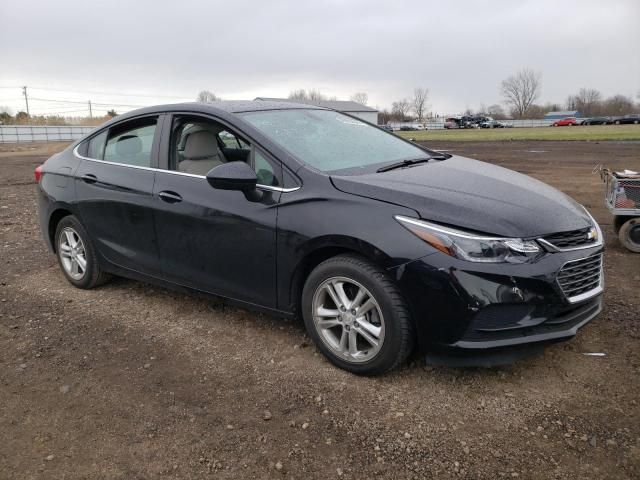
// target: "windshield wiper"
[[408, 163]]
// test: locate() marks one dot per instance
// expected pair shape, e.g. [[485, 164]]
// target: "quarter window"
[[96, 146]]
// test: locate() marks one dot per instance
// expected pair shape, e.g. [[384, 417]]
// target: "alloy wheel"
[[72, 253], [348, 319]]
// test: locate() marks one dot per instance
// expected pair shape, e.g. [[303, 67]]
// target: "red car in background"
[[565, 122]]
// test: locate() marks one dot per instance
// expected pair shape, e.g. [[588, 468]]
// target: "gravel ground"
[[130, 381]]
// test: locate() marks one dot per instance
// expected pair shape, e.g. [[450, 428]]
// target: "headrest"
[[200, 145], [129, 145]]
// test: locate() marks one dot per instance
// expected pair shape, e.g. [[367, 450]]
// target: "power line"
[[119, 94], [78, 102]]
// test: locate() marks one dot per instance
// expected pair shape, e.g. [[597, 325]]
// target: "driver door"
[[213, 240]]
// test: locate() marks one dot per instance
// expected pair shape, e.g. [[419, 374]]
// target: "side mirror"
[[233, 176]]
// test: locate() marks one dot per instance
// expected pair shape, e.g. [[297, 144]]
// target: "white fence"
[[28, 133]]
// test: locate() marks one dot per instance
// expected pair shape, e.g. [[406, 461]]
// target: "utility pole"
[[26, 98], [90, 111]]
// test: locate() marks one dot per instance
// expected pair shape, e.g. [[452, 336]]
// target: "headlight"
[[468, 246], [596, 232]]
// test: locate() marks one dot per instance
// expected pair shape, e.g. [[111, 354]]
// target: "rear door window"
[[131, 143]]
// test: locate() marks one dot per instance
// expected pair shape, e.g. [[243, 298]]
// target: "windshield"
[[332, 142]]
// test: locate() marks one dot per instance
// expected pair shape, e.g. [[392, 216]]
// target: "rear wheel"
[[76, 255], [617, 122], [356, 315], [629, 234]]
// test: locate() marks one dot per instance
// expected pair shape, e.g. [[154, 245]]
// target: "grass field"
[[592, 132]]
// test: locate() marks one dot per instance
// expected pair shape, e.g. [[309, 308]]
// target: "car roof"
[[220, 107]]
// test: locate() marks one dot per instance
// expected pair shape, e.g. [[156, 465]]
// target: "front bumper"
[[471, 308]]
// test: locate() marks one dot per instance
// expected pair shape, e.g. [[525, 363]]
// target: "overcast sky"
[[164, 51]]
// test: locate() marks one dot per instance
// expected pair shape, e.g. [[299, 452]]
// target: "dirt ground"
[[130, 381]]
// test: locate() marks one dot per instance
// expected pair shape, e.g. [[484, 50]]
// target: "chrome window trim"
[[173, 172]]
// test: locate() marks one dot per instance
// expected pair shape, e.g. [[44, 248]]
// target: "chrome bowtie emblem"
[[592, 234]]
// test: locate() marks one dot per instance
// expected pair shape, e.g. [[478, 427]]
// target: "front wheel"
[[76, 255], [629, 234], [356, 315]]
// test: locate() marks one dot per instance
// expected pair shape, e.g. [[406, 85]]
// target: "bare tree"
[[299, 94], [315, 95], [360, 97], [205, 96], [401, 108], [521, 90], [384, 116], [617, 105], [496, 111], [419, 102], [311, 95], [587, 101]]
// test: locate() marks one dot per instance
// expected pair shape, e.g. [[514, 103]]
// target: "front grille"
[[572, 239], [580, 276]]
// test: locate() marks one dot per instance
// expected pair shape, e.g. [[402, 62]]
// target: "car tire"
[[617, 122], [76, 255], [635, 122], [629, 234], [344, 334]]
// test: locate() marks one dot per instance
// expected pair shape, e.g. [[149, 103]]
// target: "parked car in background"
[[451, 123], [465, 121], [379, 244], [630, 118], [388, 128], [491, 123], [597, 121], [565, 122]]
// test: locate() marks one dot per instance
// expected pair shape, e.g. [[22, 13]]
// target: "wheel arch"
[[321, 249], [54, 219]]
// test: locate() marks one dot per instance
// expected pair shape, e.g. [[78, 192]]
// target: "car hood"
[[473, 195]]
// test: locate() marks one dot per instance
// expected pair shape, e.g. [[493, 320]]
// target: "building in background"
[[356, 109], [559, 115]]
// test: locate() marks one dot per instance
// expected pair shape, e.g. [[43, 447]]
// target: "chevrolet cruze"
[[382, 246]]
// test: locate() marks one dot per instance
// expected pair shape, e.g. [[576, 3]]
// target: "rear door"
[[114, 190]]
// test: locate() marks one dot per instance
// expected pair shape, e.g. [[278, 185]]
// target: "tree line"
[[519, 92], [23, 118]]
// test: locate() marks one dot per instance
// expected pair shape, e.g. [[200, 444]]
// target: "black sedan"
[[633, 118], [379, 244], [597, 121]]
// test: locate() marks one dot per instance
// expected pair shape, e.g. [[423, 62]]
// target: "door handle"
[[89, 178], [169, 197]]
